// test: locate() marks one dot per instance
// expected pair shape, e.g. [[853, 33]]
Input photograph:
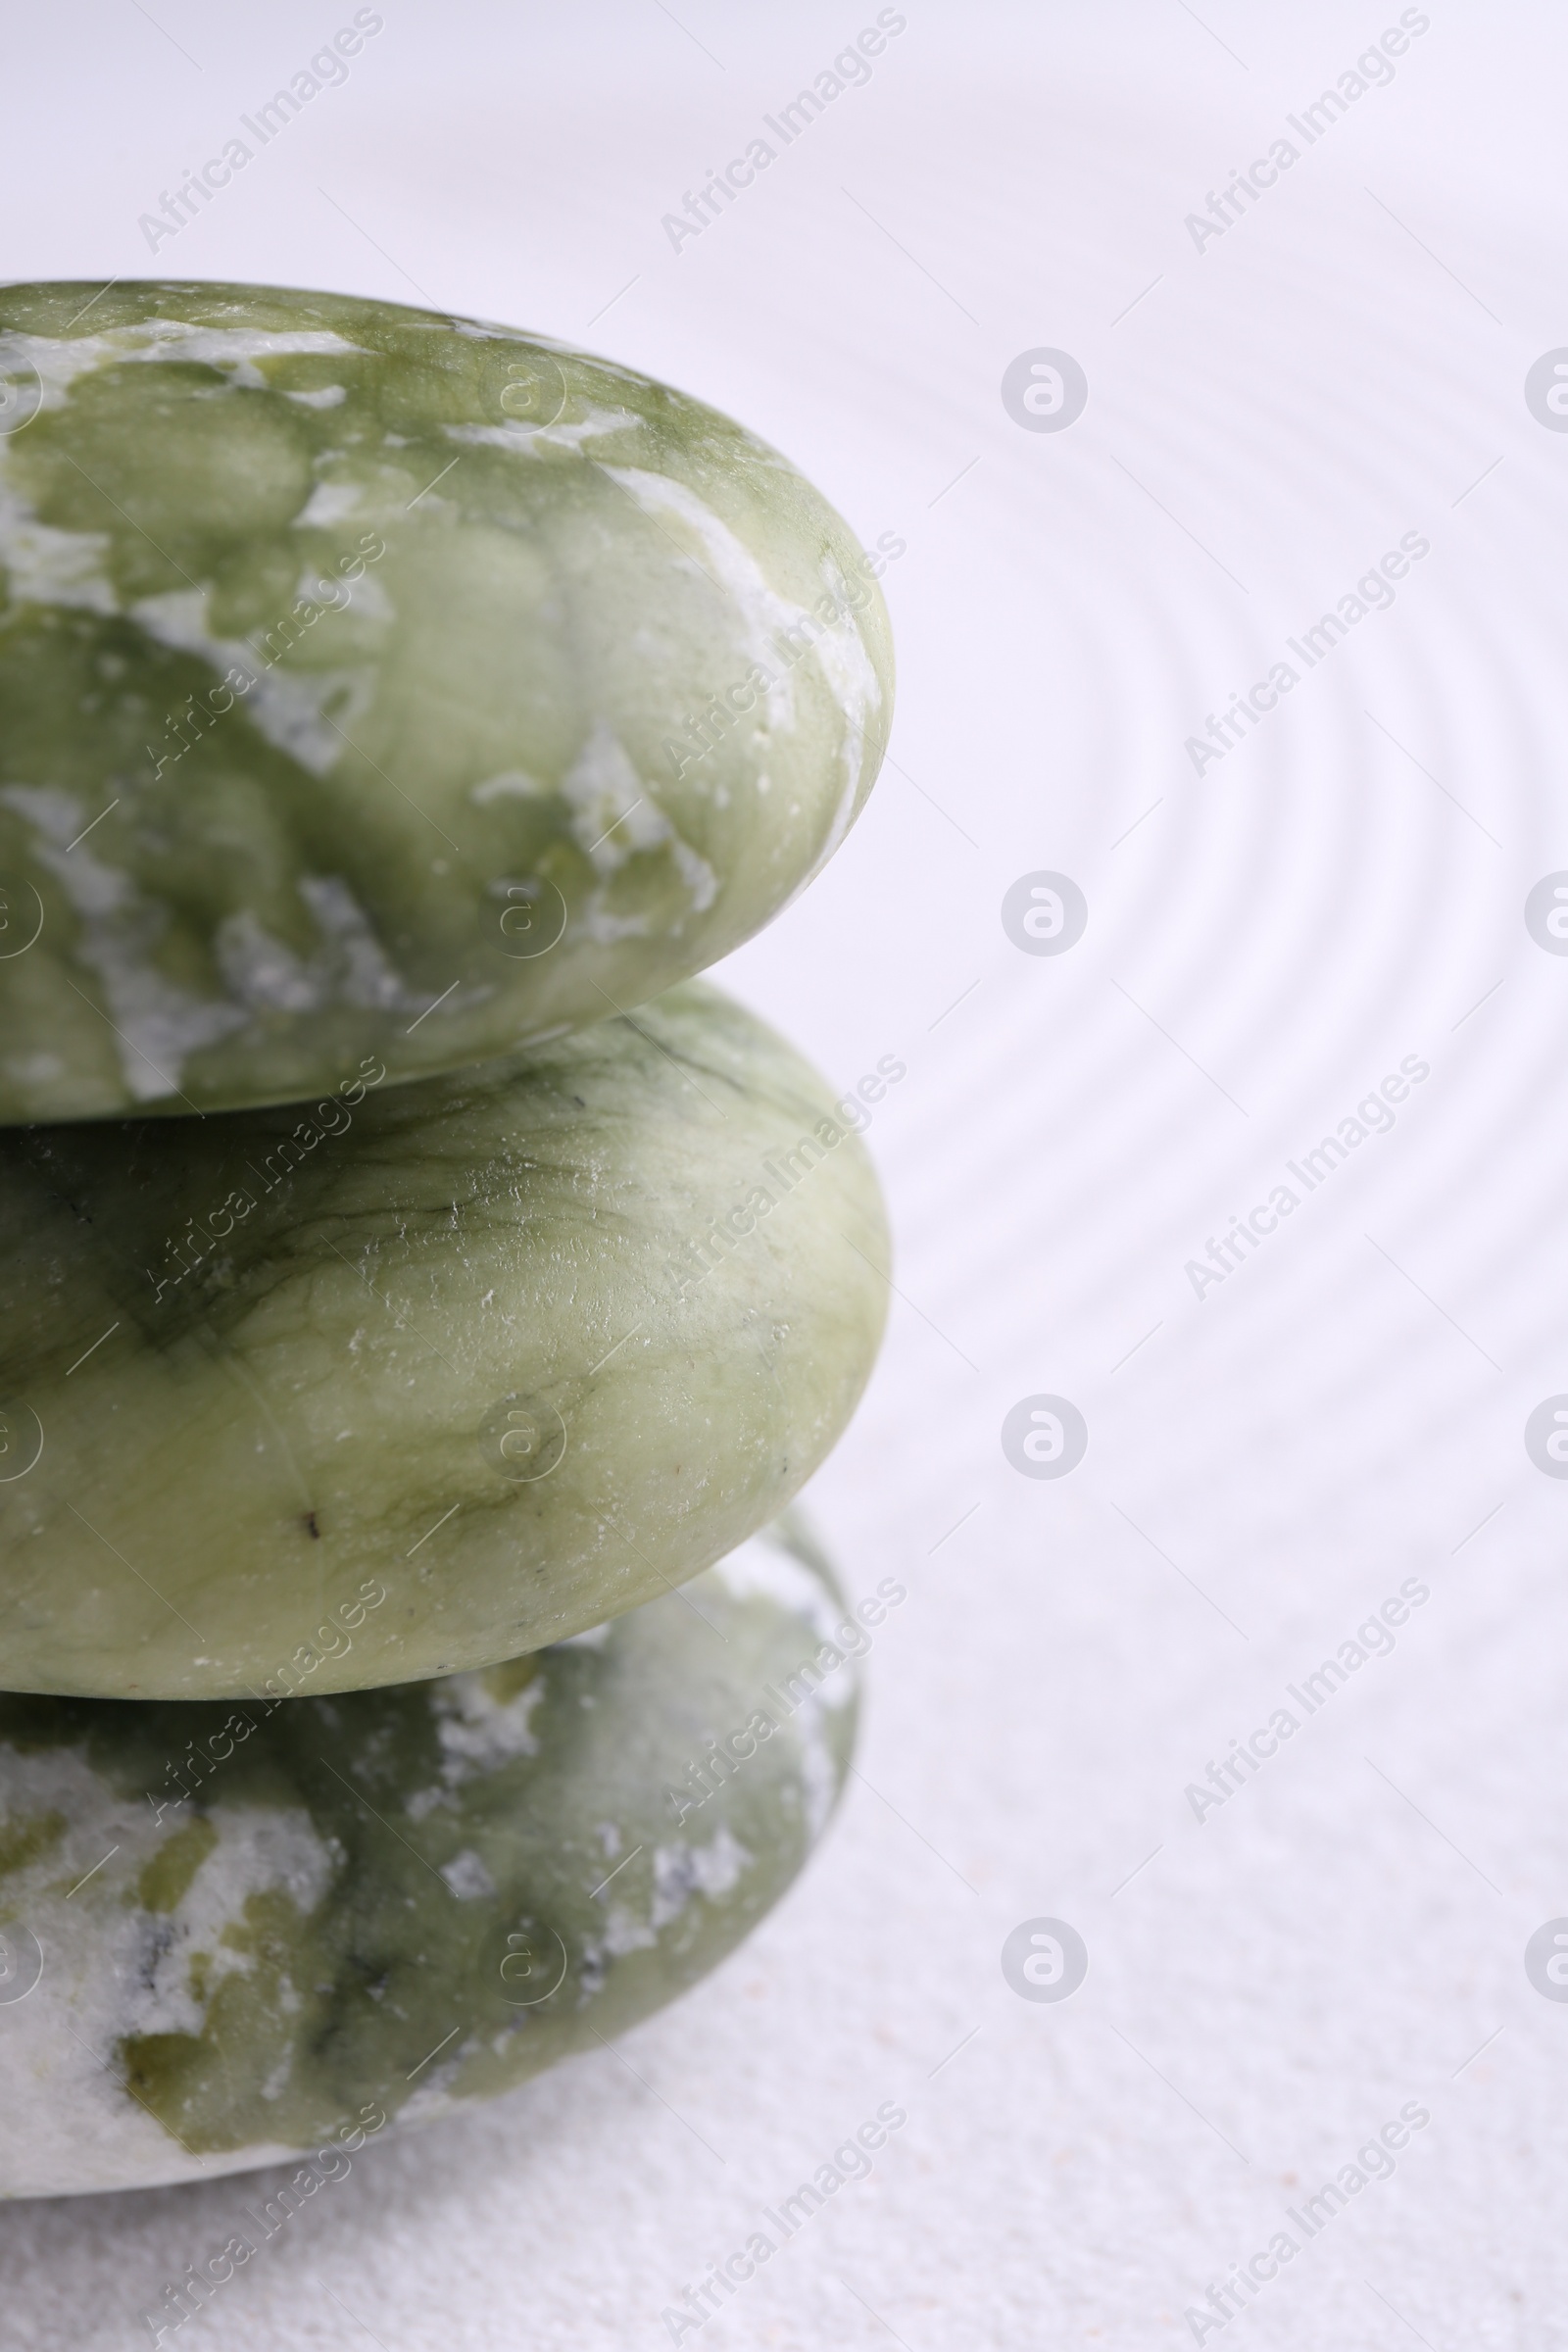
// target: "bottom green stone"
[[232, 1932]]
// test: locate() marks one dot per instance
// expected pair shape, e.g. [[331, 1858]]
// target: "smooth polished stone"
[[418, 1378], [379, 683], [231, 1934]]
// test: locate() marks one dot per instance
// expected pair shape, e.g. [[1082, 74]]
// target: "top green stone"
[[373, 682]]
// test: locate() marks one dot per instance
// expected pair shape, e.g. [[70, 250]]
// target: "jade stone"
[[413, 1379], [321, 1918], [377, 683]]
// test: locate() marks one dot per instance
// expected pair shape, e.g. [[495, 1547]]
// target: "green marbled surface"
[[417, 1378], [329, 1914], [374, 646]]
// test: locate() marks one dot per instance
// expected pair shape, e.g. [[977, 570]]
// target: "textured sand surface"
[[1270, 411]]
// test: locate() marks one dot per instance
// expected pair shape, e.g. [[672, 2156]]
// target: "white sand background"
[[1266, 1465]]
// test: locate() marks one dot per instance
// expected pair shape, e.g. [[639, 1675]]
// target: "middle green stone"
[[418, 1378]]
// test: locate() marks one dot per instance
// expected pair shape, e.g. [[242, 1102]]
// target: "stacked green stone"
[[419, 1297]]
